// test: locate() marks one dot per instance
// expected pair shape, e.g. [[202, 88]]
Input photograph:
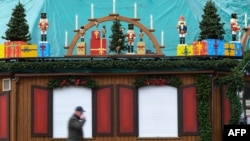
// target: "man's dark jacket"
[[75, 132]]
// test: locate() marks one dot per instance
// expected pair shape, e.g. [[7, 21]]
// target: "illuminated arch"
[[111, 18], [244, 38]]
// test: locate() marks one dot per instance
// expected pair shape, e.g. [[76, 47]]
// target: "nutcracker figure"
[[96, 24], [130, 37], [82, 33], [141, 34], [234, 26], [43, 25], [103, 31], [182, 29]]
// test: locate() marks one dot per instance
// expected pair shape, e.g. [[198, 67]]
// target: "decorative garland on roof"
[[157, 80], [203, 96], [80, 65], [71, 81]]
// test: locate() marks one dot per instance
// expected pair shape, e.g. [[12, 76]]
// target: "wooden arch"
[[244, 38], [121, 18]]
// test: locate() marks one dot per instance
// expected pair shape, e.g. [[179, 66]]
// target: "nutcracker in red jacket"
[[130, 37], [182, 29], [43, 25], [234, 26]]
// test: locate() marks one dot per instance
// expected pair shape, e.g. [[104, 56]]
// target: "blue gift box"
[[215, 47], [43, 49], [238, 49]]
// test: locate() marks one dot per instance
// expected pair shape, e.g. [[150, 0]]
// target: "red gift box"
[[95, 35], [13, 49], [97, 47], [200, 48]]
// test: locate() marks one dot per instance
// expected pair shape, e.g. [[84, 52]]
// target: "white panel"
[[6, 84], [158, 111], [65, 101]]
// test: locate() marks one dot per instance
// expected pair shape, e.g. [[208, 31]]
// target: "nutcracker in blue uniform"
[[182, 29]]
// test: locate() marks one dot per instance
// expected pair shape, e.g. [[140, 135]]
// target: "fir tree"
[[18, 29], [210, 26], [117, 43]]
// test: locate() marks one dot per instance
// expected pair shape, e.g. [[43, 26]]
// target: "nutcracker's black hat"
[[234, 16], [130, 26], [43, 15]]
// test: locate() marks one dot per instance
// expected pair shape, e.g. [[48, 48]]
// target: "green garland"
[[71, 81], [203, 96], [75, 65], [235, 84], [157, 80]]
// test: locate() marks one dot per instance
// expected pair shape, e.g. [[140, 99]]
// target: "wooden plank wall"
[[21, 102]]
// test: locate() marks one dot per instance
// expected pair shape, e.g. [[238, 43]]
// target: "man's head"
[[79, 110]]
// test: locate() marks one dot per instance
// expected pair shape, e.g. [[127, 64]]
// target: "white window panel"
[[65, 101], [158, 111]]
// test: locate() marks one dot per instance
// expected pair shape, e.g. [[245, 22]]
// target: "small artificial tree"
[[117, 42], [18, 29], [210, 26]]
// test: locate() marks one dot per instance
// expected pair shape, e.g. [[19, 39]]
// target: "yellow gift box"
[[81, 50], [185, 50], [229, 49], [1, 50], [141, 49], [29, 50]]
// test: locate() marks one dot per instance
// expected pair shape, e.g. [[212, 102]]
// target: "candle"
[[162, 38], [66, 38], [151, 21], [113, 6], [76, 22], [92, 11], [135, 12], [239, 36], [245, 19]]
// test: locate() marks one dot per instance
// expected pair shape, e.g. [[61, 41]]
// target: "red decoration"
[[13, 49], [141, 47], [156, 81], [97, 46]]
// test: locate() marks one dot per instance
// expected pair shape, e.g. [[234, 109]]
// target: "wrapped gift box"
[[43, 49], [185, 50], [1, 50], [229, 49], [215, 47], [29, 50], [200, 48], [13, 49], [238, 49], [141, 49], [95, 35], [81, 50], [97, 47]]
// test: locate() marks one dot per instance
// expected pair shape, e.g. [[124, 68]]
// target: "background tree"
[[117, 42], [211, 26], [18, 29]]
